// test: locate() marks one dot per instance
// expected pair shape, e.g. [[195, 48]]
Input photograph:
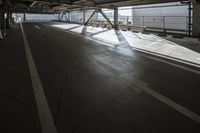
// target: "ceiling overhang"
[[68, 5]]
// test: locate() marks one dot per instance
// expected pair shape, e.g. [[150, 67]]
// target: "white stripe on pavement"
[[46, 120], [37, 27], [186, 112]]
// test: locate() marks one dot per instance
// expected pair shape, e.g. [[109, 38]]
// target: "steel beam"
[[83, 16], [104, 15], [66, 18], [61, 17], [91, 17]]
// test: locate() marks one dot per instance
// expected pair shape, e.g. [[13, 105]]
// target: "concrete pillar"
[[8, 19], [84, 17], [115, 18], [196, 20], [24, 17], [2, 19]]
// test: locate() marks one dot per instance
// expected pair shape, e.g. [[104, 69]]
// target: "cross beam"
[[104, 15]]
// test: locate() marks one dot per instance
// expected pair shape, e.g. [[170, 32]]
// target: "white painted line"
[[188, 113], [138, 90], [166, 56], [164, 39], [37, 27], [173, 64], [46, 120], [167, 62]]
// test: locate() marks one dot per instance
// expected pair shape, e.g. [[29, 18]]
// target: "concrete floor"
[[191, 43], [91, 87]]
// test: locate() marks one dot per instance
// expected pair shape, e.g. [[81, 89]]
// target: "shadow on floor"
[[99, 32], [121, 38]]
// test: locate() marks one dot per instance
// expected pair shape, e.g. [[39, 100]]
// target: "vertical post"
[[127, 20], [24, 16], [83, 16], [164, 24], [190, 18], [115, 18], [59, 17], [8, 19], [11, 18], [2, 19], [69, 16], [132, 15], [143, 21]]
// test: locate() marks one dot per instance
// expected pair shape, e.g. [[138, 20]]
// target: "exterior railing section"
[[176, 24]]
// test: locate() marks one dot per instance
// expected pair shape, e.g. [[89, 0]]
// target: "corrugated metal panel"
[[162, 11]]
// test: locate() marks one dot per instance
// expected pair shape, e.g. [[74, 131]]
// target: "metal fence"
[[34, 17], [172, 24], [163, 22]]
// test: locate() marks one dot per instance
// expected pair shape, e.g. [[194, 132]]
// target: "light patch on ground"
[[161, 46], [109, 36], [147, 42], [66, 26]]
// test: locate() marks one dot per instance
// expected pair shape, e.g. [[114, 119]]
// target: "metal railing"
[[165, 24], [171, 24]]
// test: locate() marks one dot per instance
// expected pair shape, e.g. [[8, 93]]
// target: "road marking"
[[46, 120], [173, 64], [167, 62], [188, 113], [37, 27]]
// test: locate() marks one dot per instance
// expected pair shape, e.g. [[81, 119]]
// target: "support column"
[[116, 18], [189, 18], [196, 20], [83, 16], [24, 18], [2, 19]]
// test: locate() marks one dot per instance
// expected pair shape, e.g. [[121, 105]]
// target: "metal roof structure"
[[67, 5]]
